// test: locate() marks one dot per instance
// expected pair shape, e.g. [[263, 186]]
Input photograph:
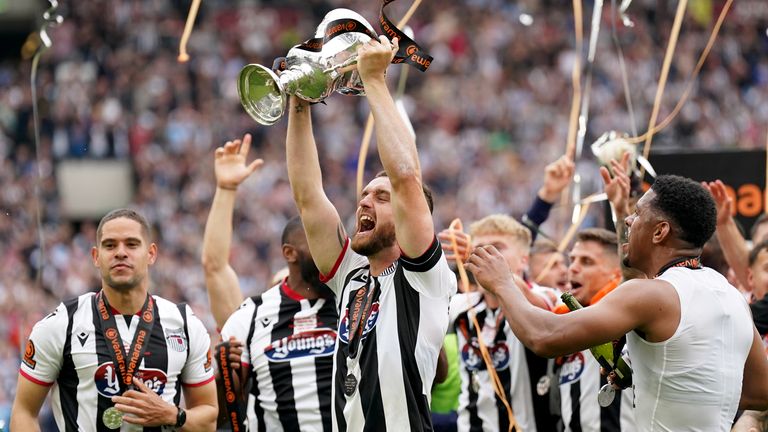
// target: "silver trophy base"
[[260, 94]]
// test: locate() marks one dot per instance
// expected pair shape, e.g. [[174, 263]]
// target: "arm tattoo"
[[299, 107], [341, 234]]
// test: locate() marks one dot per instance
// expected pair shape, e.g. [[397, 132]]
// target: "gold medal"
[[112, 418]]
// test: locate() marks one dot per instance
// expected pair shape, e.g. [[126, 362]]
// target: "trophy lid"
[[260, 94]]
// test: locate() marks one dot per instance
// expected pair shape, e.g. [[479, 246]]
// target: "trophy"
[[313, 69]]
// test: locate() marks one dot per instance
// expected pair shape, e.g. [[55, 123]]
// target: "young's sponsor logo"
[[370, 323], [311, 343], [572, 368], [472, 357], [107, 384]]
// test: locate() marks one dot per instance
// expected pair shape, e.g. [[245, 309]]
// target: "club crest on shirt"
[[311, 343], [370, 323], [176, 339], [108, 385], [572, 368], [473, 358]]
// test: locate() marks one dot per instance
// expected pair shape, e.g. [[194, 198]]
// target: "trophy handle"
[[261, 94]]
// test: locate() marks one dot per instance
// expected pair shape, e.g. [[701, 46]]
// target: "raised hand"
[[463, 244], [490, 268], [557, 176], [723, 201], [230, 163], [145, 407], [617, 186], [374, 57]]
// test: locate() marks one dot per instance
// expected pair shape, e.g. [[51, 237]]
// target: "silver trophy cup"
[[310, 75]]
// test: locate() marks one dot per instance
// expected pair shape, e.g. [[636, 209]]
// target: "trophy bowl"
[[311, 73], [261, 95]]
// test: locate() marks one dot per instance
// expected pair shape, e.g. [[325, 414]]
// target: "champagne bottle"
[[603, 353]]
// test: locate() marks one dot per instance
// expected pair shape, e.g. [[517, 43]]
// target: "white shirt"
[[692, 381]]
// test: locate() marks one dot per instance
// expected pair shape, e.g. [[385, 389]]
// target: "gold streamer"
[[663, 78], [183, 56], [689, 87], [498, 387]]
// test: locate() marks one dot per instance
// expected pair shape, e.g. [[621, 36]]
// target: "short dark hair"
[[427, 191], [756, 251], [128, 214], [293, 225], [759, 221], [690, 207], [607, 239]]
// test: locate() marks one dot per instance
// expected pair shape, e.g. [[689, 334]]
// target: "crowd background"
[[489, 114]]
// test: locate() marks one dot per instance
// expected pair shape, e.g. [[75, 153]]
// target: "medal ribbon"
[[125, 367], [235, 411], [359, 313]]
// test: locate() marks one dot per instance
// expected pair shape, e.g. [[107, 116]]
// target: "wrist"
[[547, 195], [169, 418], [226, 187], [374, 83]]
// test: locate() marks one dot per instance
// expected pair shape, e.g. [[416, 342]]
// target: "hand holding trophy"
[[321, 65]]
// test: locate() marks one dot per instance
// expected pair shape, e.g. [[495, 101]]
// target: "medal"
[[542, 387], [112, 418], [350, 385], [606, 395], [475, 381]]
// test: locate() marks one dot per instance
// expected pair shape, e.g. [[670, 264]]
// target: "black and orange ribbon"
[[233, 400]]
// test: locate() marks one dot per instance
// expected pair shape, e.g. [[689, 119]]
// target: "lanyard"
[[359, 312], [692, 263], [125, 368]]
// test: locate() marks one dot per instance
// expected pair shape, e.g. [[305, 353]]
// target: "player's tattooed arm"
[[341, 234]]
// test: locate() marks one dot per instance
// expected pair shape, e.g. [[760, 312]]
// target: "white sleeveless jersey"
[[692, 381]]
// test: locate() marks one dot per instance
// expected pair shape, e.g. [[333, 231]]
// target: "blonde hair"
[[501, 224]]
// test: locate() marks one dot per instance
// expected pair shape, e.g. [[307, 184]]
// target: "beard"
[[382, 237], [123, 285], [308, 270]]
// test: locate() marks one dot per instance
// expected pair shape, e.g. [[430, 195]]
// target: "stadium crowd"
[[495, 97]]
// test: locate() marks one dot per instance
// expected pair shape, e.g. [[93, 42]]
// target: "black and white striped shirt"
[[67, 349], [580, 380], [289, 343], [401, 340], [518, 368]]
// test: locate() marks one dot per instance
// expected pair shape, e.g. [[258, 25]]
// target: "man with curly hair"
[[696, 355]]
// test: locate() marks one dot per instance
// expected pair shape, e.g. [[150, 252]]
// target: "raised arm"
[[547, 334], [414, 228], [557, 176], [734, 246], [325, 233], [617, 187], [224, 294]]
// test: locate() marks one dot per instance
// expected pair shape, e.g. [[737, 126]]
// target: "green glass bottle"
[[603, 353]]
